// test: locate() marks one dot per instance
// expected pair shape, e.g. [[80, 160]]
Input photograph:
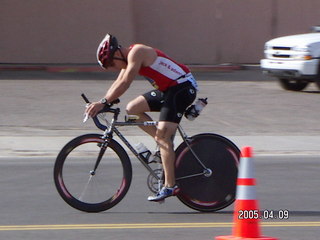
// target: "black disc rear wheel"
[[213, 188]]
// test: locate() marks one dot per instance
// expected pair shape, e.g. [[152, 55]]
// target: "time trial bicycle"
[[93, 172]]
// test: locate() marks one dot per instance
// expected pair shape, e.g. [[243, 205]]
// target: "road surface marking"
[[147, 225]]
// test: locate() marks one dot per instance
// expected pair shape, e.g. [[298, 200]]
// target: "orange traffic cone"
[[246, 211]]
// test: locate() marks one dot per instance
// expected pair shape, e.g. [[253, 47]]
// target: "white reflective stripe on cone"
[[246, 169], [246, 192]]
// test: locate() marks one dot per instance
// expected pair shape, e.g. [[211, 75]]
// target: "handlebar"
[[85, 98], [107, 108]]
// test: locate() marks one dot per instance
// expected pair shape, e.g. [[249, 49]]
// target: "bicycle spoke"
[[81, 197], [92, 189]]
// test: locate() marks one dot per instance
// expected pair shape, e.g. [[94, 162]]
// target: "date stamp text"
[[264, 215]]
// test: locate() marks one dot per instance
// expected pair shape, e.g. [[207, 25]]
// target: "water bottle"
[[143, 151], [194, 110]]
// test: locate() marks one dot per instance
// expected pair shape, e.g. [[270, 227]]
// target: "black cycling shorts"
[[172, 103]]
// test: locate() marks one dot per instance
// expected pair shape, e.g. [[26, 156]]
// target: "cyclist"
[[175, 89]]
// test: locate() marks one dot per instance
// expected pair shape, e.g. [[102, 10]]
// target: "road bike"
[[93, 172]]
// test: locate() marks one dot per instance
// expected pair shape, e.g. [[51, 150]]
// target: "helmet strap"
[[122, 55]]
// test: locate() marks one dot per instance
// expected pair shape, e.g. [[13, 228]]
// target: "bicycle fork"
[[103, 147]]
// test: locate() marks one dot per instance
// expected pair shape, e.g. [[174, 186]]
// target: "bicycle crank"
[[155, 184]]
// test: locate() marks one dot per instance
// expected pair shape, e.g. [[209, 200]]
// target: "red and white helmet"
[[105, 52]]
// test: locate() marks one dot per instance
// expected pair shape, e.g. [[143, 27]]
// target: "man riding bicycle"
[[175, 90]]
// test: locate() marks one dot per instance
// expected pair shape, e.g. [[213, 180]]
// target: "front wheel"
[[82, 187], [317, 79], [211, 188]]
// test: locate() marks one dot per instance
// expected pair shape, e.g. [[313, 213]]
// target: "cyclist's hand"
[[94, 108]]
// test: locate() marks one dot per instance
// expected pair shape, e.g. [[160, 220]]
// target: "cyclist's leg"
[[164, 138], [139, 106], [176, 100]]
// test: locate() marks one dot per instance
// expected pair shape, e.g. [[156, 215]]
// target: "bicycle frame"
[[111, 127]]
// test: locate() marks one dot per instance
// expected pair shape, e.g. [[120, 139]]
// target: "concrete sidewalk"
[[38, 117], [64, 68]]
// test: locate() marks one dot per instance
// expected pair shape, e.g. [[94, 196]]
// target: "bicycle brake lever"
[[86, 117]]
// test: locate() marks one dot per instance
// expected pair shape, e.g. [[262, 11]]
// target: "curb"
[[68, 68]]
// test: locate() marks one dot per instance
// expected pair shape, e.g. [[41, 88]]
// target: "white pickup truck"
[[294, 60]]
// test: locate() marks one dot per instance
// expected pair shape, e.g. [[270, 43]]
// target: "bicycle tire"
[[215, 192], [75, 183]]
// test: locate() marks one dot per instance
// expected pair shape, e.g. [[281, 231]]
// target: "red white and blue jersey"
[[165, 72]]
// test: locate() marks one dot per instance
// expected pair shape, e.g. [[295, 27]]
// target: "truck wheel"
[[317, 79], [293, 84]]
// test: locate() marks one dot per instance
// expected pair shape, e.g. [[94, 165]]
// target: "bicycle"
[[93, 172]]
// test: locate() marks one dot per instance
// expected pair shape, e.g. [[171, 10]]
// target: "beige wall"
[[194, 32]]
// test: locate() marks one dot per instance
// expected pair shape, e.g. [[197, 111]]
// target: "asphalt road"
[[32, 209], [40, 114]]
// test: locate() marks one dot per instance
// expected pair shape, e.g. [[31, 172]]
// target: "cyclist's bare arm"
[[140, 55], [122, 83]]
